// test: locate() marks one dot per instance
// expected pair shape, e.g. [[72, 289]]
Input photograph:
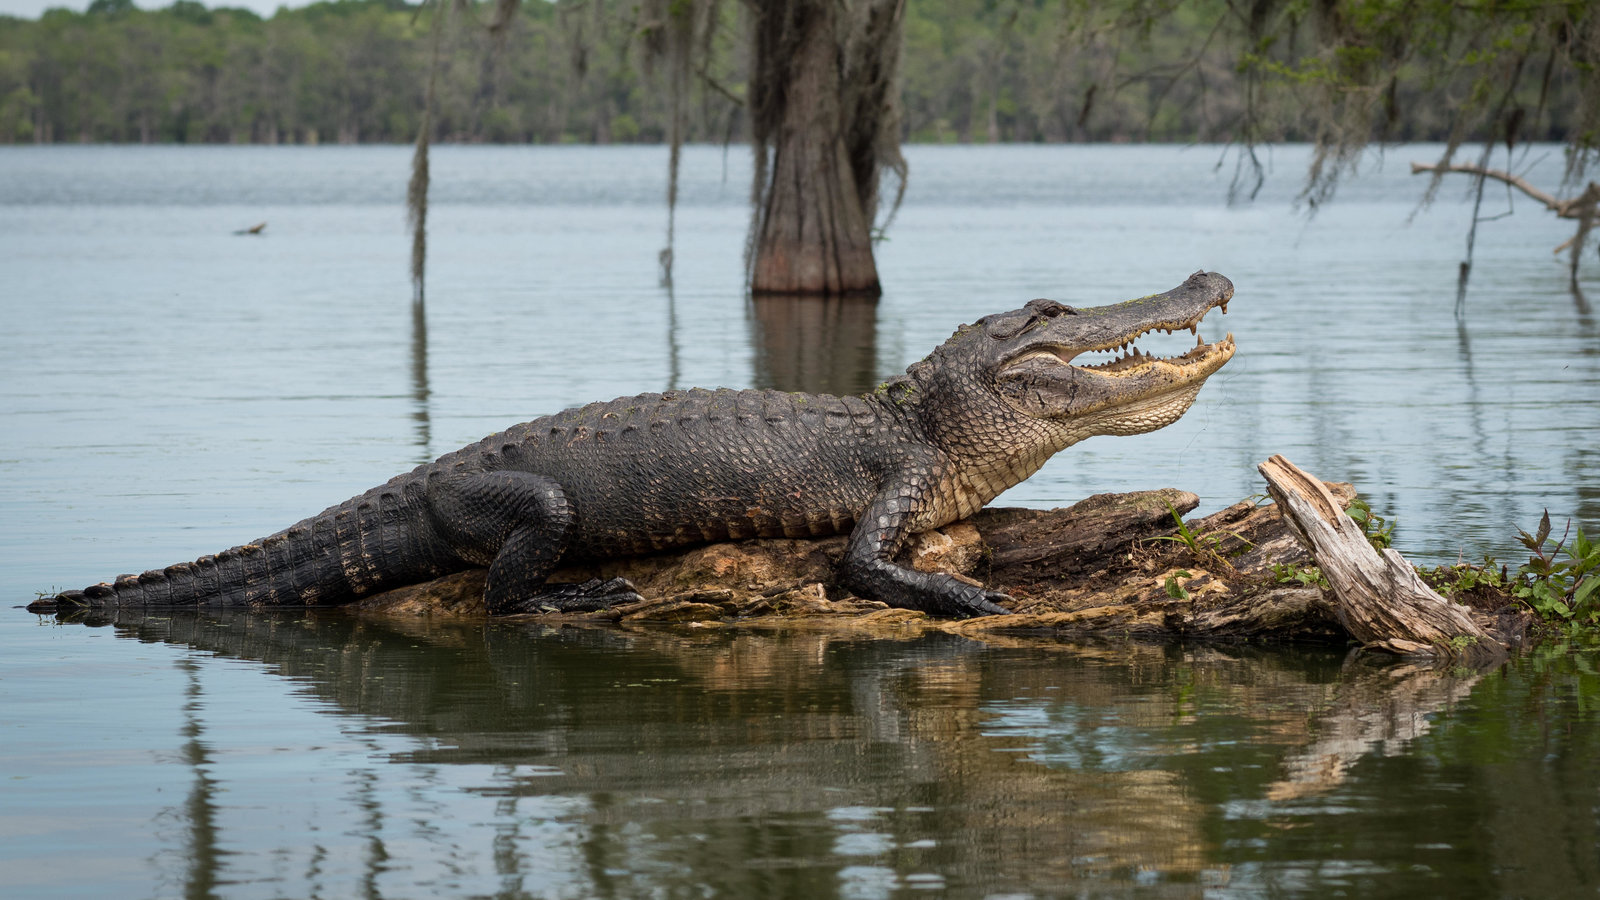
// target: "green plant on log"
[[1306, 576], [1175, 590], [1464, 578], [1205, 546], [1555, 587], [1378, 531]]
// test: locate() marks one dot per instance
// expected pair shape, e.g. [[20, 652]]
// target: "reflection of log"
[[1382, 601], [1380, 711]]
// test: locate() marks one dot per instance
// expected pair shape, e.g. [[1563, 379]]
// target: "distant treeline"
[[355, 70]]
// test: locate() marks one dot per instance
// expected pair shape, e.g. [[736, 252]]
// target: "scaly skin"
[[659, 471]]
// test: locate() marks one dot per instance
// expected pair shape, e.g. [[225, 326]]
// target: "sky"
[[30, 9]]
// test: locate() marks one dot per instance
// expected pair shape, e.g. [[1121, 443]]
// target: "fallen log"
[[1112, 564]]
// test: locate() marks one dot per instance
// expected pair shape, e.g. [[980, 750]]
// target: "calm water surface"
[[168, 389]]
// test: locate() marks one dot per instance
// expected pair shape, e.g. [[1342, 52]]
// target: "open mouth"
[[1156, 343], [1128, 355]]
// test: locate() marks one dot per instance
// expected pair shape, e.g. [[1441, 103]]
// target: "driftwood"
[[1382, 601]]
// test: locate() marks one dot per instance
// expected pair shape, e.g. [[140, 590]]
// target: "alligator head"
[[1055, 374]]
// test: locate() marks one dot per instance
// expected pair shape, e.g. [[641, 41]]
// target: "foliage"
[[1305, 576], [1378, 531], [1205, 546], [1341, 72], [1175, 590], [1560, 581], [1554, 587], [349, 72]]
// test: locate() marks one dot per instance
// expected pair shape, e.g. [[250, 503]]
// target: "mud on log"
[[1113, 564]]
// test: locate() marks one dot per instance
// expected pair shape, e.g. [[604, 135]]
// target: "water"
[[169, 389], [304, 756]]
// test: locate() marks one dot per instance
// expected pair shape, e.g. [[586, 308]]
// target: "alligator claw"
[[585, 597], [989, 604]]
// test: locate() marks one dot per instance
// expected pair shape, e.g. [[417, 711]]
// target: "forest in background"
[[354, 71]]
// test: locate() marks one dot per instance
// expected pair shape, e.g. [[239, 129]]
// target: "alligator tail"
[[367, 544]]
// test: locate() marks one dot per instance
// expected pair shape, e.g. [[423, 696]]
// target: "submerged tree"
[[824, 124], [821, 96]]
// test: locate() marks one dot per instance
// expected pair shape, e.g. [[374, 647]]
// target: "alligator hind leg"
[[518, 524]]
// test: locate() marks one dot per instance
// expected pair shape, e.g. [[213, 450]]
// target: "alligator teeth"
[[1198, 340]]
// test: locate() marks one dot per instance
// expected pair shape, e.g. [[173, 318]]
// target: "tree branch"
[[1562, 208]]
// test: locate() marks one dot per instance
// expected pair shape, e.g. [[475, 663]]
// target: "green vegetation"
[[1555, 587], [1305, 576], [971, 70], [1560, 582], [1378, 531], [1207, 547], [1175, 590]]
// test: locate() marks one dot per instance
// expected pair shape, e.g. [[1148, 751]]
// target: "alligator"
[[643, 474]]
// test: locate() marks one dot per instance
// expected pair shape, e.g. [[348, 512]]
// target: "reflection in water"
[[200, 808], [1378, 710], [497, 758], [820, 345], [419, 381]]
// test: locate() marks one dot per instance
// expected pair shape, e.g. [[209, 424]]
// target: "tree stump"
[[1382, 601]]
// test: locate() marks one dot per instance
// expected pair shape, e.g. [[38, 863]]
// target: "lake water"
[[168, 389]]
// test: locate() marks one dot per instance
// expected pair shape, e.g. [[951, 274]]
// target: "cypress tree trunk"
[[813, 235]]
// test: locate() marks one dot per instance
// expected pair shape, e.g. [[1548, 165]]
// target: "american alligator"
[[642, 474]]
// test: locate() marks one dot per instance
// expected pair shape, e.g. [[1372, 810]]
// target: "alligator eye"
[[1049, 308]]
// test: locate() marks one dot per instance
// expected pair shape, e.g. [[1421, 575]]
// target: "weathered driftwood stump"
[[1382, 601]]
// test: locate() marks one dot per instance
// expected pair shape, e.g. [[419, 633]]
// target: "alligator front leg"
[[869, 569], [518, 524]]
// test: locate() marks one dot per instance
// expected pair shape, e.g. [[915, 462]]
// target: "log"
[[1109, 565], [1382, 601], [1102, 566]]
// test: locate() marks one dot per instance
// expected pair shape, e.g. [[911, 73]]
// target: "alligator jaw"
[[1132, 392]]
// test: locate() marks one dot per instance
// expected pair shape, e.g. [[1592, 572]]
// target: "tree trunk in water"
[[814, 237]]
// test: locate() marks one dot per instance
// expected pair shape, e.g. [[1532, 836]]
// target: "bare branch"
[[1559, 207]]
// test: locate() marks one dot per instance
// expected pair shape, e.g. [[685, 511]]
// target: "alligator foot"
[[987, 604], [585, 597]]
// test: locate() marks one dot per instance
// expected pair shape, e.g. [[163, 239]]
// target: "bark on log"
[[1382, 601]]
